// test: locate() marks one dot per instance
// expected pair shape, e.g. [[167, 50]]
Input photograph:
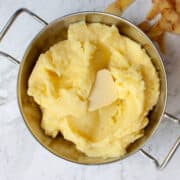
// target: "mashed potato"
[[64, 76]]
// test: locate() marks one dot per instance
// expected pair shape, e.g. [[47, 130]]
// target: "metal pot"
[[56, 31]]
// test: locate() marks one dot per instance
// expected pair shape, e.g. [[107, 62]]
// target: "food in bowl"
[[96, 88]]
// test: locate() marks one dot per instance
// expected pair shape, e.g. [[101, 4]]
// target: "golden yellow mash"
[[64, 76]]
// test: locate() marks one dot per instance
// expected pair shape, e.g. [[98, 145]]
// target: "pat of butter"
[[104, 91]]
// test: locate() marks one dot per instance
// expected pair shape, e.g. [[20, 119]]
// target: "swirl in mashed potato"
[[64, 76]]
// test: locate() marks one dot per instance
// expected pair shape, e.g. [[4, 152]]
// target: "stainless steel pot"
[[56, 31]]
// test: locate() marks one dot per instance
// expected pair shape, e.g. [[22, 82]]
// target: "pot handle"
[[8, 25], [172, 150]]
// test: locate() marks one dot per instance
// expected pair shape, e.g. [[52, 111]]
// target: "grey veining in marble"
[[22, 158]]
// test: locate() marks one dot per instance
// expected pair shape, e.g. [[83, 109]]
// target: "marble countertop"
[[22, 158]]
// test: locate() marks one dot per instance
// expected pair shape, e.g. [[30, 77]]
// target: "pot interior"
[[50, 35]]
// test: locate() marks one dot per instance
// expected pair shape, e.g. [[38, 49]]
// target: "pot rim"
[[113, 16]]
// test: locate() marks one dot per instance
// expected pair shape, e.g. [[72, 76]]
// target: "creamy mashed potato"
[[64, 76]]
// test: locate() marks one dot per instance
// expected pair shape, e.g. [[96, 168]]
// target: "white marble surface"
[[22, 158]]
